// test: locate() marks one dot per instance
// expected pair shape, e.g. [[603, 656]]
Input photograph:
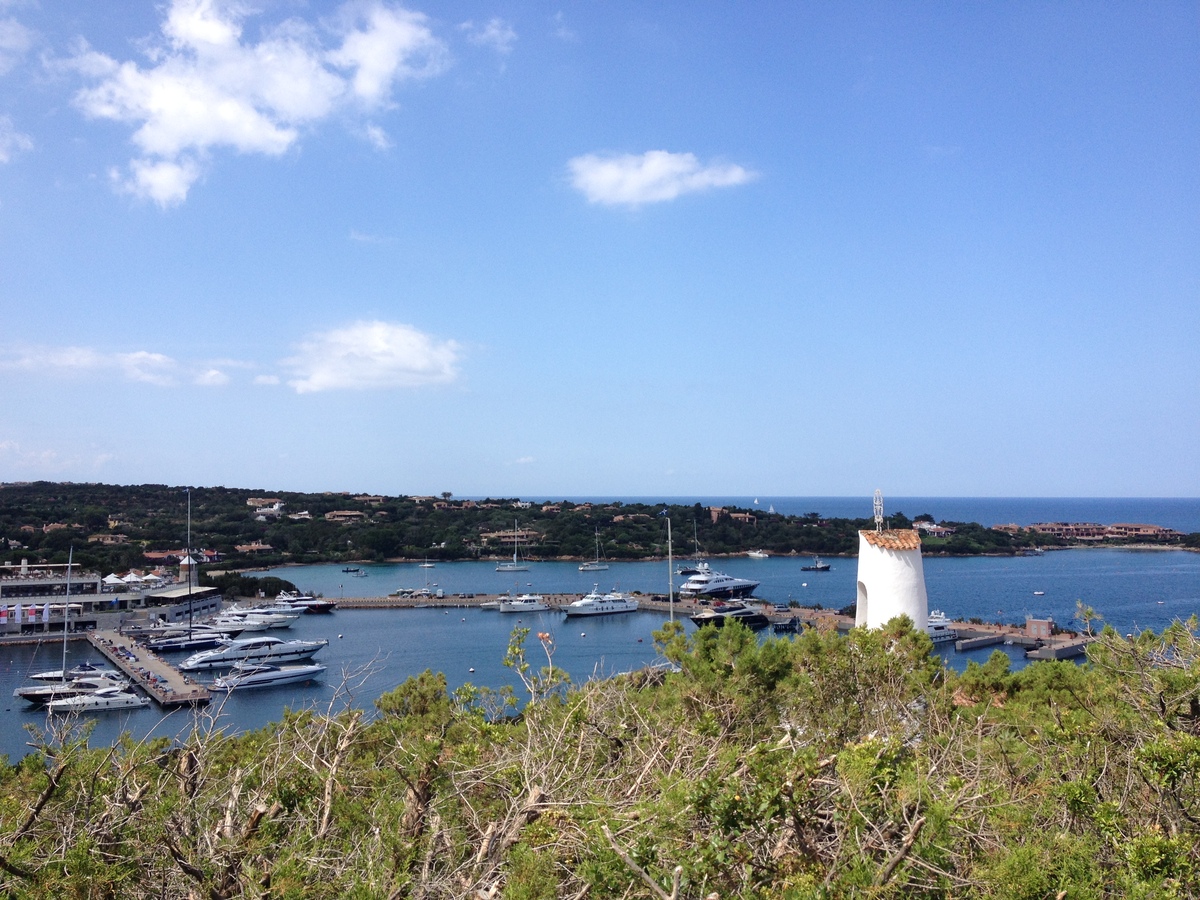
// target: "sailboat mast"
[[67, 608], [190, 561], [670, 571]]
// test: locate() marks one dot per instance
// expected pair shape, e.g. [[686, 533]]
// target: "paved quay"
[[165, 684]]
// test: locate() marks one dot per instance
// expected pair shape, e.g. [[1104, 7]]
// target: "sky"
[[621, 249]]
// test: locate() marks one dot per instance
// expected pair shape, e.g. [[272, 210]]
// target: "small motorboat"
[[817, 566]]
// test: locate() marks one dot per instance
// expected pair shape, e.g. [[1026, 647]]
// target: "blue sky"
[[602, 249]]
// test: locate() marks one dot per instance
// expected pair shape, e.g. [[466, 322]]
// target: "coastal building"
[[891, 577], [345, 516]]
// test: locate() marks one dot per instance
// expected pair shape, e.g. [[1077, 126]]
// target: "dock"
[[165, 684]]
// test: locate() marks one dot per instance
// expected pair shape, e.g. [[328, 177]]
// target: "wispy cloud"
[[205, 87], [372, 355], [12, 141], [561, 30], [361, 237], [378, 138], [15, 41], [23, 461], [651, 177], [495, 33], [138, 365]]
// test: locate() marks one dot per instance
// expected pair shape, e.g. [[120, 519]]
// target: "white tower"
[[891, 579]]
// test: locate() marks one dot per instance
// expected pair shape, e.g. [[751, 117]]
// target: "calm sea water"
[[371, 651]]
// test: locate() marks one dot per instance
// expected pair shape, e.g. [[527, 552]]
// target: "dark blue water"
[[372, 651]]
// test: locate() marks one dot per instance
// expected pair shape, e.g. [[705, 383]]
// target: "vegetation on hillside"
[[825, 766], [44, 519]]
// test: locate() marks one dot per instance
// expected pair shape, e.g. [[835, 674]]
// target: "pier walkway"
[[165, 684]]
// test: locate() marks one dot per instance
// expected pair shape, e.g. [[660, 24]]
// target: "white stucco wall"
[[890, 583]]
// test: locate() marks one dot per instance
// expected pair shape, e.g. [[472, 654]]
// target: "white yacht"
[[48, 692], [114, 697], [758, 554], [254, 675], [524, 603], [597, 604], [259, 649], [708, 583], [83, 670], [937, 626]]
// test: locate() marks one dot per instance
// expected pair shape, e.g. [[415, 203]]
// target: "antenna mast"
[[878, 511]]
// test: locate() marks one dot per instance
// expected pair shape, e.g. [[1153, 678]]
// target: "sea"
[[372, 651]]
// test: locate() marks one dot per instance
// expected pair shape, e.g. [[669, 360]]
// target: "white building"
[[891, 579]]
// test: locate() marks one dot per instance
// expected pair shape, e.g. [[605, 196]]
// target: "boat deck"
[[165, 684]]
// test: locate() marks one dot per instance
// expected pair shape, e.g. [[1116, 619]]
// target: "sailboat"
[[517, 564], [597, 565]]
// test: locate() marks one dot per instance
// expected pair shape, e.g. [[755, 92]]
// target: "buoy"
[[339, 637], [583, 634], [472, 669], [805, 584], [463, 619]]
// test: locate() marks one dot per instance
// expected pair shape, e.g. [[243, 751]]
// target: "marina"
[[375, 642]]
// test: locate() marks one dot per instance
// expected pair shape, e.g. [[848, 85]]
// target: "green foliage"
[[831, 765]]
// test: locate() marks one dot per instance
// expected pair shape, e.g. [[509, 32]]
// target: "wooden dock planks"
[[165, 684]]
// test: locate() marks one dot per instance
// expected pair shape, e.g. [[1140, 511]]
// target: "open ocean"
[[371, 651]]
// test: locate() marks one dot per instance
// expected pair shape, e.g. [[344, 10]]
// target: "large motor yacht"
[[255, 675], [259, 649], [708, 583], [106, 698], [597, 604], [731, 612]]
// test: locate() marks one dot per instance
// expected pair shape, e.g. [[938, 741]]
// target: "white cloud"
[[206, 87], [15, 41], [523, 460], [495, 33], [211, 378], [151, 368], [383, 45], [266, 379], [368, 355], [652, 177], [12, 141]]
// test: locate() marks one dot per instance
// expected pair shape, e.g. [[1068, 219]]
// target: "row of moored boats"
[[234, 641]]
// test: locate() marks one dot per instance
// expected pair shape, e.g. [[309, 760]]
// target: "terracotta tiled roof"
[[893, 540]]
